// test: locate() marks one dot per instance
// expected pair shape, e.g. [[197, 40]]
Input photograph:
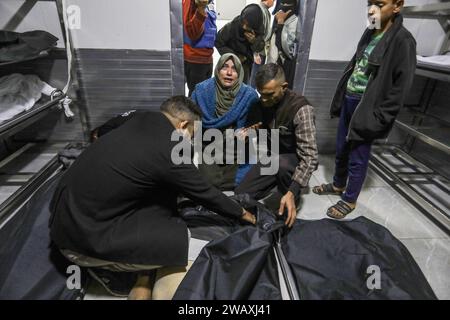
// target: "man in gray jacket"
[[261, 57], [283, 44]]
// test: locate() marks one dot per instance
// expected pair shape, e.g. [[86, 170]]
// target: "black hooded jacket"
[[117, 202], [391, 73], [231, 39]]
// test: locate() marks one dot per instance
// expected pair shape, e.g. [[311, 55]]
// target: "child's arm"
[[194, 17]]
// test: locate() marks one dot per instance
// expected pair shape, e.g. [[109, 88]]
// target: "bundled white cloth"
[[19, 93]]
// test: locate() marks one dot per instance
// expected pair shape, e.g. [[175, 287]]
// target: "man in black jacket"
[[117, 204], [368, 98]]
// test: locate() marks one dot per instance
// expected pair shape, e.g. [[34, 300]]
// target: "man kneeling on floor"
[[290, 113], [115, 208]]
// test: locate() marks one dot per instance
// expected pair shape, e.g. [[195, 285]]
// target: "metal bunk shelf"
[[24, 184], [428, 135], [428, 11], [43, 106], [441, 13], [425, 188], [434, 134], [14, 202], [413, 111], [22, 120], [433, 72], [42, 54], [414, 181]]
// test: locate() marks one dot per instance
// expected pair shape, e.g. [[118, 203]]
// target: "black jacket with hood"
[[231, 39], [391, 72]]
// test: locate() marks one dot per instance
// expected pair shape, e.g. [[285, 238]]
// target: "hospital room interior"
[[75, 75]]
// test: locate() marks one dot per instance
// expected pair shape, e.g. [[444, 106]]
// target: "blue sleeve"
[[194, 96]]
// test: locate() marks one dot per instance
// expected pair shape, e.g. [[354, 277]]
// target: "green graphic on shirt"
[[358, 80]]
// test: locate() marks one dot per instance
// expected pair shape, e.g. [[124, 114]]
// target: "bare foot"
[[142, 289]]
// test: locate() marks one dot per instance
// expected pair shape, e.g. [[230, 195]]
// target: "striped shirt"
[[305, 134]]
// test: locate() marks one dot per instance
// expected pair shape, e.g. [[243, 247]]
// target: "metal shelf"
[[417, 183], [433, 72], [428, 11], [425, 134], [22, 120], [18, 198], [42, 54], [43, 106], [28, 182], [411, 111]]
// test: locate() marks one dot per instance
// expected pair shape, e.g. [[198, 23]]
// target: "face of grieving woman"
[[228, 74]]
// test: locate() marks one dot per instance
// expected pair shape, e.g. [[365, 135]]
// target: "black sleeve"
[[259, 44], [254, 116], [114, 123], [403, 80], [188, 180], [278, 31], [222, 40]]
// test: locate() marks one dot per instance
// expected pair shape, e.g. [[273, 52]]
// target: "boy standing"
[[368, 98]]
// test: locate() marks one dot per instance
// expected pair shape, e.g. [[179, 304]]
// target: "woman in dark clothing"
[[243, 37]]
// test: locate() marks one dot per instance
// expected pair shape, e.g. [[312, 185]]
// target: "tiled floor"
[[428, 244]]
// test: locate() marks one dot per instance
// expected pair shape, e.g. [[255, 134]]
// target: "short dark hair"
[[269, 72], [182, 108]]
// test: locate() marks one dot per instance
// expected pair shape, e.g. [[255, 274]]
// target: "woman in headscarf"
[[243, 36], [225, 101]]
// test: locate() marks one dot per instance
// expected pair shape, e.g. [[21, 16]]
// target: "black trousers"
[[259, 186], [196, 73], [247, 67], [221, 176]]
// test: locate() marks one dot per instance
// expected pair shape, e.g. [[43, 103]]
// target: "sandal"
[[326, 189], [343, 210]]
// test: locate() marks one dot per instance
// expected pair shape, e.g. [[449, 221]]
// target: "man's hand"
[[288, 201], [247, 216], [250, 36], [94, 135], [242, 134], [281, 16], [257, 58]]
